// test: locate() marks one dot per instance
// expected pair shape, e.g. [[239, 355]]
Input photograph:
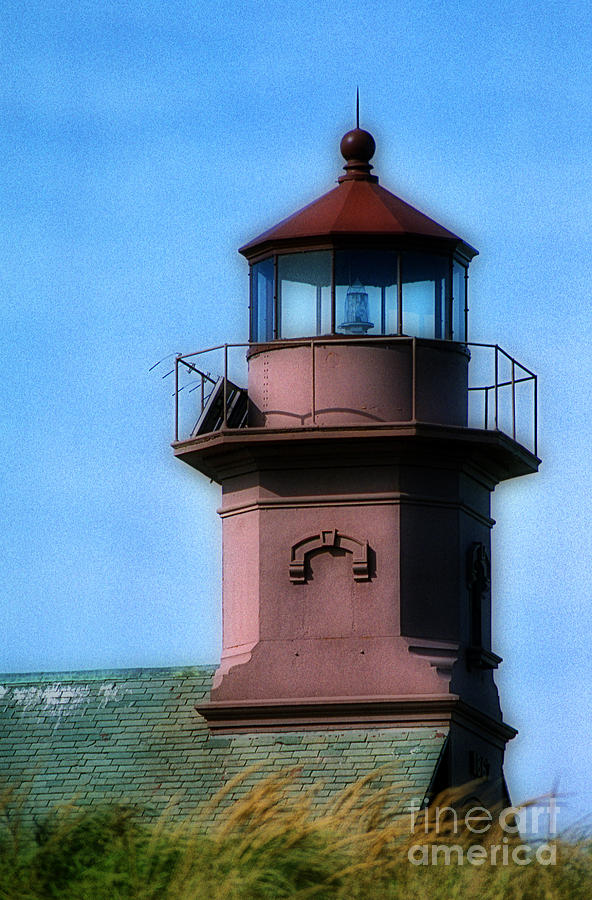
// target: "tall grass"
[[274, 843]]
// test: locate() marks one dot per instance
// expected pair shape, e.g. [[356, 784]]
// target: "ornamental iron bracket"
[[479, 569], [326, 540]]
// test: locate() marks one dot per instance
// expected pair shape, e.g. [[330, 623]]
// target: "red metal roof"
[[357, 206]]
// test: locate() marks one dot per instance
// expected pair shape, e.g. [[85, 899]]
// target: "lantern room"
[[358, 261]]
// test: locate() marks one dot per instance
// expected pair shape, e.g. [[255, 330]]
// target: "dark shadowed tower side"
[[356, 480]]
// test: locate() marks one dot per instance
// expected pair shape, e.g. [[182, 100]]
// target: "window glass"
[[262, 301], [366, 292], [304, 294], [365, 295], [425, 280], [458, 304]]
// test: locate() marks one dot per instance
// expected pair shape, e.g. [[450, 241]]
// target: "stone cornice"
[[386, 498], [296, 713], [229, 452]]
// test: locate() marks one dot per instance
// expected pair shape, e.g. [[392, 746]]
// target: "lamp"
[[356, 310]]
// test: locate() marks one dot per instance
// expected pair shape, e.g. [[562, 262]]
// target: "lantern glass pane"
[[262, 304], [370, 278], [458, 302], [304, 294], [425, 290]]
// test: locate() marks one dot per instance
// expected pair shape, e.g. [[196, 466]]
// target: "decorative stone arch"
[[325, 540]]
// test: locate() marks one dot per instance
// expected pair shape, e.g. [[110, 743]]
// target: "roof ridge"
[[382, 191]]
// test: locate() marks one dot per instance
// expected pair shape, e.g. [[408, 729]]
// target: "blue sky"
[[142, 144]]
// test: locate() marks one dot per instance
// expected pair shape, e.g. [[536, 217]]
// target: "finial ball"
[[357, 145]]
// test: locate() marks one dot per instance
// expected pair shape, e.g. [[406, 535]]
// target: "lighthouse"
[[357, 464]]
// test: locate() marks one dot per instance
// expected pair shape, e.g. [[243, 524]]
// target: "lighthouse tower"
[[355, 489]]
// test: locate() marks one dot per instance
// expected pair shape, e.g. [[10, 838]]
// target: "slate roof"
[[133, 735]]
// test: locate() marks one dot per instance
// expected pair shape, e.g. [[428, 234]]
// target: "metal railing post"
[[176, 398], [486, 408], [399, 297], [496, 386], [536, 416], [313, 384], [466, 304], [514, 399], [413, 381], [225, 418]]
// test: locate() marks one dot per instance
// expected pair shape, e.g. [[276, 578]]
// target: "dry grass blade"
[[281, 841]]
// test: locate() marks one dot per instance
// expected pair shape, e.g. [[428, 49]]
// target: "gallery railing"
[[502, 392]]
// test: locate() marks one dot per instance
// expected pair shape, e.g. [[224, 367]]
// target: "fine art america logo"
[[488, 838]]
